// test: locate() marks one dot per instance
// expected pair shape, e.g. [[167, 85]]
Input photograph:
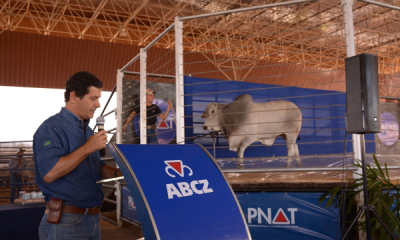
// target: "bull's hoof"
[[239, 165]]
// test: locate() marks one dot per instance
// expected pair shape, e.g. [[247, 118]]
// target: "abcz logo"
[[184, 189]]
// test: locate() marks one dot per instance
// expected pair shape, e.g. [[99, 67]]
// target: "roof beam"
[[94, 16], [52, 26], [381, 4], [23, 15], [53, 15], [130, 18], [34, 23], [4, 6], [170, 15], [4, 17]]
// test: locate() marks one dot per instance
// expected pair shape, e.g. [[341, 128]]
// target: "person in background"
[[152, 112], [68, 164], [16, 165]]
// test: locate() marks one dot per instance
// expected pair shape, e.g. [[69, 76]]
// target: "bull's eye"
[[212, 111]]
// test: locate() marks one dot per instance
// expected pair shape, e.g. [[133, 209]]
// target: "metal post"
[[365, 186], [214, 146], [349, 27], [237, 10], [180, 121], [120, 77], [143, 101], [381, 4], [351, 51], [148, 46], [213, 134], [119, 202]]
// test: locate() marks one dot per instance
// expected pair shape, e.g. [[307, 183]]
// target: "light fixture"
[[123, 33]]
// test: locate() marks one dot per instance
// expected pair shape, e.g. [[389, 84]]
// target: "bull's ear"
[[204, 115]]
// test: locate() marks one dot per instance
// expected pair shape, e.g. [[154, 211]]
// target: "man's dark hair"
[[80, 83]]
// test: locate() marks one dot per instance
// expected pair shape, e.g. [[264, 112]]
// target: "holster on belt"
[[55, 207]]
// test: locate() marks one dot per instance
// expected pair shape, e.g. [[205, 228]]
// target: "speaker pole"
[[366, 208], [350, 52]]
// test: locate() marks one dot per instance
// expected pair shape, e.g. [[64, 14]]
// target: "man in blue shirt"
[[16, 165], [67, 163]]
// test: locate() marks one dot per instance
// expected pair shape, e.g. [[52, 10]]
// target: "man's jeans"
[[15, 178], [71, 227]]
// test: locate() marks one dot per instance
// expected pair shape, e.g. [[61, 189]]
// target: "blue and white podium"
[[180, 193]]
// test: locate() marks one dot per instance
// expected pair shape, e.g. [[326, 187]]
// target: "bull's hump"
[[244, 97], [280, 104]]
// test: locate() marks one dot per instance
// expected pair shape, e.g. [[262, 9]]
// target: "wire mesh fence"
[[16, 177], [255, 78], [157, 74], [246, 73]]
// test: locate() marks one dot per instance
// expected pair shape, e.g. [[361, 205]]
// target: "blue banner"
[[180, 193], [280, 215], [283, 216]]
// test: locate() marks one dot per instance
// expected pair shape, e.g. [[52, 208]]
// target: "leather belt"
[[151, 127], [78, 210], [73, 209]]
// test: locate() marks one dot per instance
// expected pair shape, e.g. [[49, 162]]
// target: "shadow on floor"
[[110, 231]]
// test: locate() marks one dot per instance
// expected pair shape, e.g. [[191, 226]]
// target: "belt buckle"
[[94, 209]]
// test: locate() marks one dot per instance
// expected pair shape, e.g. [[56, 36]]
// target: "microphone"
[[100, 124]]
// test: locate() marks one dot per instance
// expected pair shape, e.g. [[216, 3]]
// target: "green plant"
[[381, 193]]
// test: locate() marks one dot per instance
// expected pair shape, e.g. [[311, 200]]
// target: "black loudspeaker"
[[362, 94]]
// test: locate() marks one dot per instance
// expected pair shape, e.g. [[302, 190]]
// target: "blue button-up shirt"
[[59, 136]]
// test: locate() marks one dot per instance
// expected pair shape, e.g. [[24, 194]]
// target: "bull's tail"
[[298, 138]]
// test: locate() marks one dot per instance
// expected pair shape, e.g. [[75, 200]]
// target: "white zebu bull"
[[243, 122]]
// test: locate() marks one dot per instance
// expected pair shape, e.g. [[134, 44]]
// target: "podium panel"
[[180, 193]]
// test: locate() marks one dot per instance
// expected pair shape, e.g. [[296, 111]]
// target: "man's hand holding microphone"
[[98, 141]]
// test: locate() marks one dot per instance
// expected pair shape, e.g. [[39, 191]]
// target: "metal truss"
[[310, 34]]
